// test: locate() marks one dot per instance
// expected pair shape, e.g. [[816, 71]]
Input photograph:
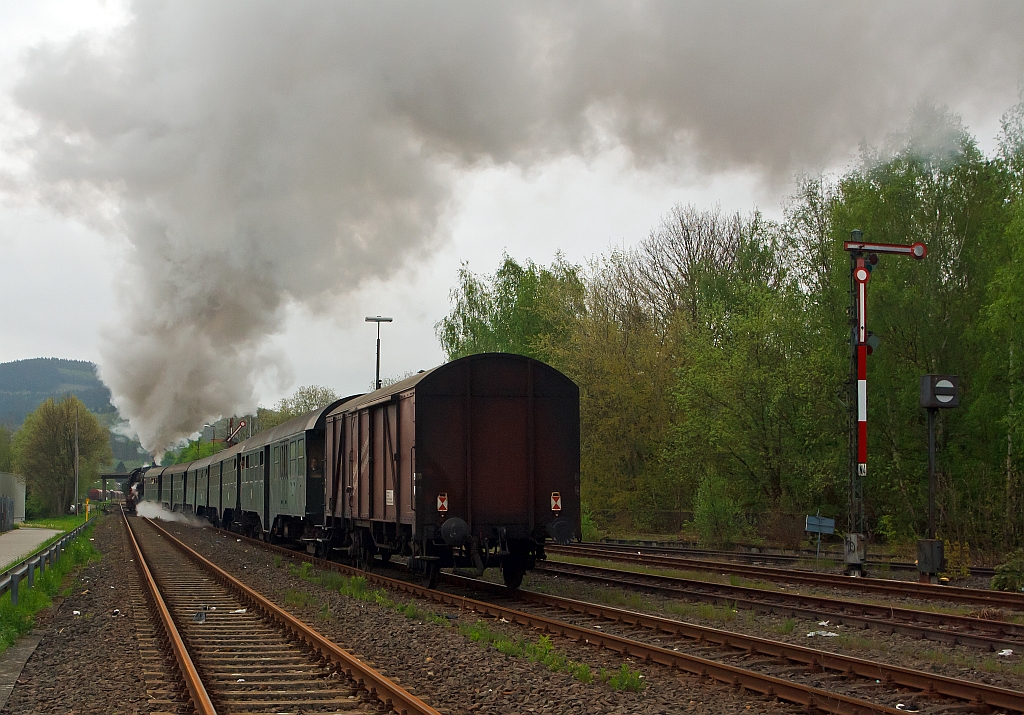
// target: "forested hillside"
[[713, 357], [24, 384]]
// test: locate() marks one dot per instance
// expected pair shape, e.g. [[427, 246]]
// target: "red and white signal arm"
[[556, 501], [442, 502]]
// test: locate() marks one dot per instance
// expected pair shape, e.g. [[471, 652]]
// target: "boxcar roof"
[[297, 425], [383, 393], [386, 393]]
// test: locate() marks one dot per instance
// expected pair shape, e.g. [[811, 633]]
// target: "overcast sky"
[[194, 195]]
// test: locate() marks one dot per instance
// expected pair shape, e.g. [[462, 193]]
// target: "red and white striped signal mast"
[[863, 258]]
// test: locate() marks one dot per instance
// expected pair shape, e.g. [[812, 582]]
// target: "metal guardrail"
[[10, 580]]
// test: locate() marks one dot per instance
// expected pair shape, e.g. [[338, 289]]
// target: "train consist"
[[473, 464]]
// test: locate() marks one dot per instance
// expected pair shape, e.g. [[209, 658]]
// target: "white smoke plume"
[[152, 510], [261, 152]]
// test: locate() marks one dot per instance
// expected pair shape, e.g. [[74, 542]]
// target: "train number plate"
[[389, 497]]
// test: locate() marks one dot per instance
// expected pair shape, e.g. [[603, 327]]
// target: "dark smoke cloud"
[[258, 153]]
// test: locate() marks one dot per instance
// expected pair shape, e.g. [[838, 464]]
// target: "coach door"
[[349, 454], [365, 465], [385, 461], [278, 487]]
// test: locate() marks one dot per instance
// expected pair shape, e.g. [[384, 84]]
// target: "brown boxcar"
[[472, 464]]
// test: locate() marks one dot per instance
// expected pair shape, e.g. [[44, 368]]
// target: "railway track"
[[858, 685], [237, 652], [771, 656], [903, 589], [760, 556], [986, 634]]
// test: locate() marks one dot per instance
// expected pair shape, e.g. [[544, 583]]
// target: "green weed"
[[990, 665], [64, 523], [543, 651], [625, 679], [332, 580], [278, 561], [706, 611], [296, 598], [18, 620], [786, 627]]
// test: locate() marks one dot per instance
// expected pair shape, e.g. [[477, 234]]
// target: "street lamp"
[[378, 320]]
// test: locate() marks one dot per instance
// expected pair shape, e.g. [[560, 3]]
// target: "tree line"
[[43, 449], [305, 399], [713, 357]]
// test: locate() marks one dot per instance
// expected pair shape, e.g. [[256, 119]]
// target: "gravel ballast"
[[87, 659], [454, 674]]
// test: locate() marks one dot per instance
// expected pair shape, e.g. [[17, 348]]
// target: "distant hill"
[[25, 384]]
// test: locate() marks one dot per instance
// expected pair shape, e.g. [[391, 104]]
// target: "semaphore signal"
[[863, 258]]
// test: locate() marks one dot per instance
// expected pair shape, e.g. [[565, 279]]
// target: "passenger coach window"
[[300, 457]]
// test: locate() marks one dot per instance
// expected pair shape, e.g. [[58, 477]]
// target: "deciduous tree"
[[44, 450]]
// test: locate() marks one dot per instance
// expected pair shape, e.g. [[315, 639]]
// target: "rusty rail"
[[928, 683], [763, 684], [907, 589], [871, 670], [388, 692], [200, 698], [885, 618], [668, 548]]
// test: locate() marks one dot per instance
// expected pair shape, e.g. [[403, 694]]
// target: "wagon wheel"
[[512, 571], [431, 570], [365, 559]]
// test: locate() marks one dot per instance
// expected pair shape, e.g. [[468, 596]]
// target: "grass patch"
[[64, 523], [624, 679], [786, 627], [543, 651], [294, 597], [942, 657], [57, 524], [17, 620], [705, 611], [278, 561]]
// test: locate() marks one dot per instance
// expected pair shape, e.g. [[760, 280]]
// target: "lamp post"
[[378, 320]]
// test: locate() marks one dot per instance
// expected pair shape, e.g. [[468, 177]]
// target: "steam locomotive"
[[473, 464]]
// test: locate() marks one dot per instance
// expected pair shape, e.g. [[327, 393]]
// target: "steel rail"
[[200, 697], [893, 674], [390, 693], [833, 557], [763, 684], [907, 589], [888, 619], [927, 683]]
